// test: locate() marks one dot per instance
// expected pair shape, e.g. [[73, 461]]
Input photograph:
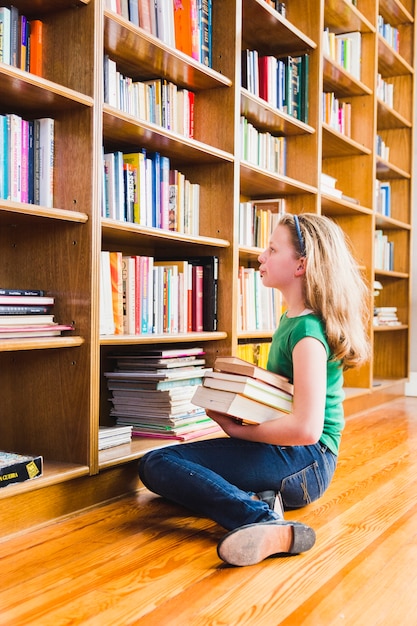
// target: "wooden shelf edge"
[[120, 340], [39, 343], [53, 473], [31, 210]]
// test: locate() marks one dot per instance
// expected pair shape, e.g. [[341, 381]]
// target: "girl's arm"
[[304, 425]]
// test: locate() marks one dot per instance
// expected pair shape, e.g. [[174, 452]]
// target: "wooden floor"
[[140, 560]]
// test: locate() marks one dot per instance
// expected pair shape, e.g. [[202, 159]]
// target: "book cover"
[[233, 404], [106, 324], [24, 42], [205, 21], [14, 37], [235, 365], [15, 154], [4, 157], [31, 300], [24, 163], [117, 291], [144, 7], [5, 30], [46, 161], [134, 160], [129, 295], [182, 25], [36, 47], [16, 468], [134, 12], [250, 388], [25, 309], [197, 273], [25, 320], [20, 331]]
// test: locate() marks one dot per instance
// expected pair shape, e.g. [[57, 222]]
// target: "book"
[[21, 292], [210, 265], [180, 436], [25, 320], [182, 26], [5, 30], [26, 300], [250, 388], [24, 309], [111, 436], [16, 468], [20, 331], [116, 272], [46, 161], [235, 365], [36, 47], [234, 404]]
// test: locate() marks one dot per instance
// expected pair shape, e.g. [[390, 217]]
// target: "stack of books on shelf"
[[16, 468], [28, 313], [111, 436], [152, 391], [20, 40], [244, 391], [345, 50], [386, 316]]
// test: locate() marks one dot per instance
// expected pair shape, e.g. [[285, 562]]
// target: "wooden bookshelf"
[[53, 390]]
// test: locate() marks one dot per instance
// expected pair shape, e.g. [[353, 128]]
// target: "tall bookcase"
[[53, 391]]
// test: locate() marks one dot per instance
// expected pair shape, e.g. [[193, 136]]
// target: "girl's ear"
[[301, 267]]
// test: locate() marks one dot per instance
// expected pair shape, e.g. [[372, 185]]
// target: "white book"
[[129, 294], [5, 28], [46, 161]]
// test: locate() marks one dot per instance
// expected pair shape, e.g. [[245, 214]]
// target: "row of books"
[[185, 25], [337, 113], [345, 50], [157, 101], [260, 307], [142, 188], [381, 148], [27, 159], [383, 197], [390, 33], [383, 251], [142, 295], [385, 91], [262, 148], [20, 40], [151, 391], [282, 82], [244, 391], [257, 221], [28, 313], [255, 353]]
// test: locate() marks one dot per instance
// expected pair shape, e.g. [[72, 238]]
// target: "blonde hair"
[[334, 288]]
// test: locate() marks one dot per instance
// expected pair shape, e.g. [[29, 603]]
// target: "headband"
[[299, 235]]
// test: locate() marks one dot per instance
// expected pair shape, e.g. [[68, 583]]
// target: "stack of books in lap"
[[28, 313], [244, 391], [152, 391]]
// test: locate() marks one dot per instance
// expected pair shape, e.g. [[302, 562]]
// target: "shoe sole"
[[253, 543]]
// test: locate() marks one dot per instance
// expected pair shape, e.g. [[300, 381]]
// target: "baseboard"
[[411, 385]]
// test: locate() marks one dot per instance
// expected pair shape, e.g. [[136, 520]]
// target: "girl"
[[240, 480]]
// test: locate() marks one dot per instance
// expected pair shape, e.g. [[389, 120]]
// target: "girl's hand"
[[230, 425]]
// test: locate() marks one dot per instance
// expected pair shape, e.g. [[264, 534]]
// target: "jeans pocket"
[[302, 487]]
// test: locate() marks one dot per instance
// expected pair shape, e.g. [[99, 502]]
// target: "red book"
[[263, 77], [197, 298], [36, 45], [191, 97]]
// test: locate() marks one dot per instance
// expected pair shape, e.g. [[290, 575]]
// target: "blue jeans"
[[217, 478]]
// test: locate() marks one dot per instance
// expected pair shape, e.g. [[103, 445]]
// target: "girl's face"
[[279, 262]]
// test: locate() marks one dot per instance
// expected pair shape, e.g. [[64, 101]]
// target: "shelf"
[[388, 328], [11, 212], [120, 340], [382, 221], [388, 118], [266, 117], [257, 182], [394, 12], [124, 131], [389, 171], [342, 16], [140, 55], [335, 206], [53, 473], [40, 343], [128, 233], [36, 8], [35, 96], [269, 32], [390, 273], [337, 79], [390, 63], [336, 144]]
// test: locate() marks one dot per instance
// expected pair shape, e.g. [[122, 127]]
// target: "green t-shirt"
[[288, 334]]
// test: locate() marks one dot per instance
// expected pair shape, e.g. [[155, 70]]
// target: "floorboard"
[[141, 560]]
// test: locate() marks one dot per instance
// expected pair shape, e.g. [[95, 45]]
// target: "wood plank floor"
[[141, 560]]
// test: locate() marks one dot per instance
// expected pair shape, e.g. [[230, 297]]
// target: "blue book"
[[4, 158]]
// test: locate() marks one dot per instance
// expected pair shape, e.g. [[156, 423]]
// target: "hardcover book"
[[234, 404], [16, 468], [234, 365]]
